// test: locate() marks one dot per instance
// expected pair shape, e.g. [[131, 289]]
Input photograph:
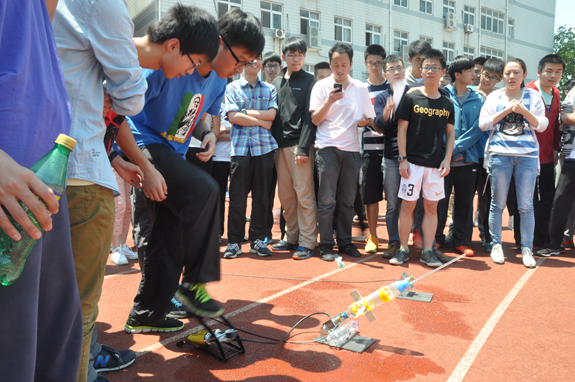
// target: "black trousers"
[[564, 197], [255, 173], [221, 173], [272, 196], [462, 180], [184, 234], [542, 204], [483, 202]]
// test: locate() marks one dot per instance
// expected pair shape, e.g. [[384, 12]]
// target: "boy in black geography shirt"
[[425, 117]]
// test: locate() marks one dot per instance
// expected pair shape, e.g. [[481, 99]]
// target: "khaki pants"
[[297, 197], [91, 210]]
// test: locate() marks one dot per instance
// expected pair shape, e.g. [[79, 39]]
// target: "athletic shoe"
[[233, 251], [448, 243], [168, 325], [350, 249], [497, 254], [417, 242], [127, 251], [112, 360], [326, 254], [284, 246], [178, 310], [441, 256], [400, 257], [554, 252], [302, 253], [260, 248], [428, 257], [197, 299], [543, 252], [390, 251], [118, 257], [371, 244], [463, 249], [488, 247], [528, 259], [568, 244]]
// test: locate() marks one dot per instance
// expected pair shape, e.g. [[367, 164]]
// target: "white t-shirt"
[[339, 128], [223, 148]]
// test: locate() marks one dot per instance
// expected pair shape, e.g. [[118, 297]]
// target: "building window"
[[342, 29], [448, 7], [372, 35], [308, 19], [468, 15], [428, 39], [399, 39], [308, 68], [401, 3], [491, 53], [511, 28], [448, 51], [226, 5], [469, 52], [492, 21], [425, 6], [271, 15]]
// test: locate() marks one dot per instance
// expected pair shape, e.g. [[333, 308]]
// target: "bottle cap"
[[66, 141]]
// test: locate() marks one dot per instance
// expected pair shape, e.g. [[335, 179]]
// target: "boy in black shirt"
[[424, 118]]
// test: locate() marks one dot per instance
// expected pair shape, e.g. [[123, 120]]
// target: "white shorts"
[[426, 178]]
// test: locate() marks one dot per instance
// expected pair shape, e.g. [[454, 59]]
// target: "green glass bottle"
[[51, 169]]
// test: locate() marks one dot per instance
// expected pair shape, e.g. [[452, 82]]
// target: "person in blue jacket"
[[467, 105]]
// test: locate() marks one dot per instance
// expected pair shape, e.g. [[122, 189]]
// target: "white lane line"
[[469, 357], [185, 334]]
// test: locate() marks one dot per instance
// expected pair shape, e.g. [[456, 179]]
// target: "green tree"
[[564, 45]]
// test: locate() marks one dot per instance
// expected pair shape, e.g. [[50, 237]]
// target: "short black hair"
[[418, 47], [374, 49], [295, 44], [243, 30], [569, 85], [320, 65], [433, 53], [551, 59], [273, 57], [194, 27], [392, 58], [494, 65], [341, 48], [479, 60], [459, 64]]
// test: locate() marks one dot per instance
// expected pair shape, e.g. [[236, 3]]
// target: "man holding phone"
[[338, 105]]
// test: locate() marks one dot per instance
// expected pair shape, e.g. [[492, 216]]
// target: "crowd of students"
[[413, 135]]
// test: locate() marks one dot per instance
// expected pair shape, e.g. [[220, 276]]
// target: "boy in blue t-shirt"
[[185, 228]]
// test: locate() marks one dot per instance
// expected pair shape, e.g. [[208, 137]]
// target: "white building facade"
[[489, 28]]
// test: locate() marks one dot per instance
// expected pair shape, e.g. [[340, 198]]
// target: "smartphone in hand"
[[339, 87]]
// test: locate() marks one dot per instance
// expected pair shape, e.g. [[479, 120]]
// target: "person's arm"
[[264, 115], [445, 165], [489, 117], [320, 114], [402, 147], [153, 183], [19, 183], [308, 129], [536, 116]]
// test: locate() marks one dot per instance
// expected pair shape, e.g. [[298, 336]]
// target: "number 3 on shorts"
[[410, 189]]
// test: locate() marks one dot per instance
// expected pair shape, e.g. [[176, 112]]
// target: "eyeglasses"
[[377, 64], [431, 68], [492, 78], [272, 67], [394, 69], [295, 56], [195, 65], [239, 64]]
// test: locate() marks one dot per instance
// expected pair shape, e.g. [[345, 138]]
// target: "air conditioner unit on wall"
[[313, 37], [280, 34], [469, 28], [450, 22]]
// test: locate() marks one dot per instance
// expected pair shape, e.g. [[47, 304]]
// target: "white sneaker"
[[118, 257], [128, 253], [497, 254], [528, 259]]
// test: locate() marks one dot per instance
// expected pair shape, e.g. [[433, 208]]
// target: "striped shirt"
[[240, 95], [513, 135]]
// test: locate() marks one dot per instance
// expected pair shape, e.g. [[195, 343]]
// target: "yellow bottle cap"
[[66, 141]]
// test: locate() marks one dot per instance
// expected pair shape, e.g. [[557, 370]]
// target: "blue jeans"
[[501, 169], [391, 182]]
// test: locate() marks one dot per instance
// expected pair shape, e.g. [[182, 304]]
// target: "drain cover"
[[416, 296]]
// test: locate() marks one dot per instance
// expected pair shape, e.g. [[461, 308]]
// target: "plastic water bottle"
[[384, 294], [51, 169], [341, 335]]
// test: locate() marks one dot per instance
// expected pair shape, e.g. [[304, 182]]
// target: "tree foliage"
[[564, 45]]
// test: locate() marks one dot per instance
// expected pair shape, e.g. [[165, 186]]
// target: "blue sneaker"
[[260, 248], [488, 247], [302, 253]]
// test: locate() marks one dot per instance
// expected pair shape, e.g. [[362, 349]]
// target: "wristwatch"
[[401, 158], [244, 111]]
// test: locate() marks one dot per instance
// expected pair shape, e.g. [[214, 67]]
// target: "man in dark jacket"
[[295, 134]]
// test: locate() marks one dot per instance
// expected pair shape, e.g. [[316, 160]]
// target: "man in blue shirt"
[[251, 105]]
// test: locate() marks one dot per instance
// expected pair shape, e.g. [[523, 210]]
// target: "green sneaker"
[[169, 325], [197, 299]]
